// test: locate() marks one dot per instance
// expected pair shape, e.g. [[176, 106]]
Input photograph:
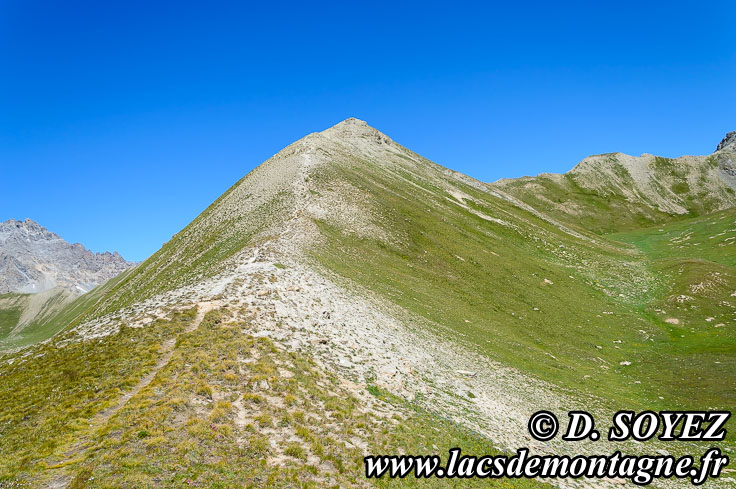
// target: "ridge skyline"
[[356, 127]]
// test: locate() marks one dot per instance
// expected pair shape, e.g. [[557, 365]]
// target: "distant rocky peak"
[[729, 142], [28, 223], [28, 230], [34, 259]]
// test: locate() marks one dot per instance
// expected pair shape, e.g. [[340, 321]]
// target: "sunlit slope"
[[477, 265], [697, 260], [473, 263], [711, 237], [633, 321], [616, 192], [571, 309], [226, 407], [28, 318]]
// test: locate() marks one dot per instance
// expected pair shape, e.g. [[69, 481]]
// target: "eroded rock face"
[[729, 142], [33, 259]]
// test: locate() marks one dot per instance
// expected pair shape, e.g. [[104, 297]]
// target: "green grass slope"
[[239, 218], [711, 237], [579, 313], [11, 309], [697, 260], [227, 410], [26, 319]]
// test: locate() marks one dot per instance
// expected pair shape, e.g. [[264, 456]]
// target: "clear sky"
[[121, 121]]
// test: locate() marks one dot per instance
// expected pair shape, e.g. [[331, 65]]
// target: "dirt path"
[[168, 350], [62, 480]]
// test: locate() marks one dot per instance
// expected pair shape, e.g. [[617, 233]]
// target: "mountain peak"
[[355, 129], [729, 142], [27, 227], [352, 121], [352, 124], [27, 222]]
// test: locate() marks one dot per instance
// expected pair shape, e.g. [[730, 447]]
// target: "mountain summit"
[[280, 201]]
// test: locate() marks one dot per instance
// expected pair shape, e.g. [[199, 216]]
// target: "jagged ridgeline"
[[366, 300]]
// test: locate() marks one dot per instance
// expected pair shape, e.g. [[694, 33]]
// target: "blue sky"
[[121, 121]]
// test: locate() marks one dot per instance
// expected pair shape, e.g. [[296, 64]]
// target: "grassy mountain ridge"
[[367, 300], [617, 192]]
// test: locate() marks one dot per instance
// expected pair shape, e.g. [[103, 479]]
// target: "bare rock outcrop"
[[728, 143]]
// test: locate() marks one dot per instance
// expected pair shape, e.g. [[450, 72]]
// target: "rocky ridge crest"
[[728, 142]]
